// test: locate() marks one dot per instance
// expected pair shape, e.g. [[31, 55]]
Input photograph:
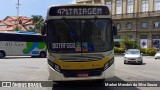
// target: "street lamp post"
[[18, 4], [133, 43]]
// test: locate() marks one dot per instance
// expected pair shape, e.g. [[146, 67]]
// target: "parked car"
[[157, 55], [133, 56]]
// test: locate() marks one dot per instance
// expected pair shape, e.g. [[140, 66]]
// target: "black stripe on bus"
[[21, 37]]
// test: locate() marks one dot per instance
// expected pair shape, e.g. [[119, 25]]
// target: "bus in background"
[[79, 42], [16, 44]]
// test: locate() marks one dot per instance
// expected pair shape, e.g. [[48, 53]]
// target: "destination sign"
[[78, 10]]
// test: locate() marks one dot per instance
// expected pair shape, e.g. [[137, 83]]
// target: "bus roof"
[[77, 5]]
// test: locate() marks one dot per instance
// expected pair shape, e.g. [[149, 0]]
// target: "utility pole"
[[18, 4]]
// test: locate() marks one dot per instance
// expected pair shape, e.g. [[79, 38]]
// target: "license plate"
[[82, 75]]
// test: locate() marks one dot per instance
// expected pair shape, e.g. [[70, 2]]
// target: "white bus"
[[79, 42], [17, 44]]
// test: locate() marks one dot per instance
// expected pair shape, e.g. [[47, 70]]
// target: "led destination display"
[[78, 10]]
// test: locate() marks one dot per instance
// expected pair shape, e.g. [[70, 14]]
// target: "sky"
[[28, 7]]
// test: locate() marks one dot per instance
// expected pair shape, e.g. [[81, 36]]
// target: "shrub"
[[119, 50], [126, 42], [143, 50], [148, 51], [151, 51]]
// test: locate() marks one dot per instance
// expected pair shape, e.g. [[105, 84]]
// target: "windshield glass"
[[133, 52], [79, 35]]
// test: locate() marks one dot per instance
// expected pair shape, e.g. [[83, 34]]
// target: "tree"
[[38, 22], [16, 27], [31, 29], [127, 43]]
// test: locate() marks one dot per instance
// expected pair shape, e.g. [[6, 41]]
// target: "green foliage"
[[31, 29], [136, 44], [143, 50], [152, 52], [128, 43], [38, 22], [119, 50], [148, 51], [16, 27]]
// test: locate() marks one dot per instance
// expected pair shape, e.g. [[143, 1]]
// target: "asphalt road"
[[148, 71], [35, 69]]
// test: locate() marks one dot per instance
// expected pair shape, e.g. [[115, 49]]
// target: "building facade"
[[138, 19]]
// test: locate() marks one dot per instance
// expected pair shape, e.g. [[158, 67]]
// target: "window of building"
[[156, 41], [156, 24], [144, 6], [130, 6], [88, 2], [118, 6], [97, 1], [117, 37], [156, 5], [129, 25], [130, 36], [109, 4], [156, 36], [143, 36], [144, 25], [118, 26]]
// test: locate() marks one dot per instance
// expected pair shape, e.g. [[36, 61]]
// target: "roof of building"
[[11, 21], [6, 29]]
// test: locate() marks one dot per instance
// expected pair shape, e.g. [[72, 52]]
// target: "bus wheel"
[[42, 54], [2, 54]]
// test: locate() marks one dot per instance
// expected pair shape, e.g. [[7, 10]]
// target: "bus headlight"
[[108, 64], [54, 66], [57, 68]]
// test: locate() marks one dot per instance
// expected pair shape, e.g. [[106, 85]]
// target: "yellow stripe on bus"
[[81, 65]]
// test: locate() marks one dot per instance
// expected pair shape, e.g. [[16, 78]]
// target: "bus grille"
[[74, 73]]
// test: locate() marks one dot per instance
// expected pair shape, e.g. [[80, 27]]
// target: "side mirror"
[[43, 29], [114, 30]]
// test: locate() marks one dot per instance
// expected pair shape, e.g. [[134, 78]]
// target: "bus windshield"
[[83, 35]]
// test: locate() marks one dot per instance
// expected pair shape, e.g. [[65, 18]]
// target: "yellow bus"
[[79, 42]]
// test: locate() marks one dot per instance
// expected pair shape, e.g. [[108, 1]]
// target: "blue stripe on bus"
[[35, 52], [35, 44]]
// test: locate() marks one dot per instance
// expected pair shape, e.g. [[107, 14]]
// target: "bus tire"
[[2, 54], [42, 54]]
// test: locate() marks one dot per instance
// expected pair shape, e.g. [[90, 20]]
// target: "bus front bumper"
[[56, 76]]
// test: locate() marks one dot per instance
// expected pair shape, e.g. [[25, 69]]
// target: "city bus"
[[80, 43], [22, 44]]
